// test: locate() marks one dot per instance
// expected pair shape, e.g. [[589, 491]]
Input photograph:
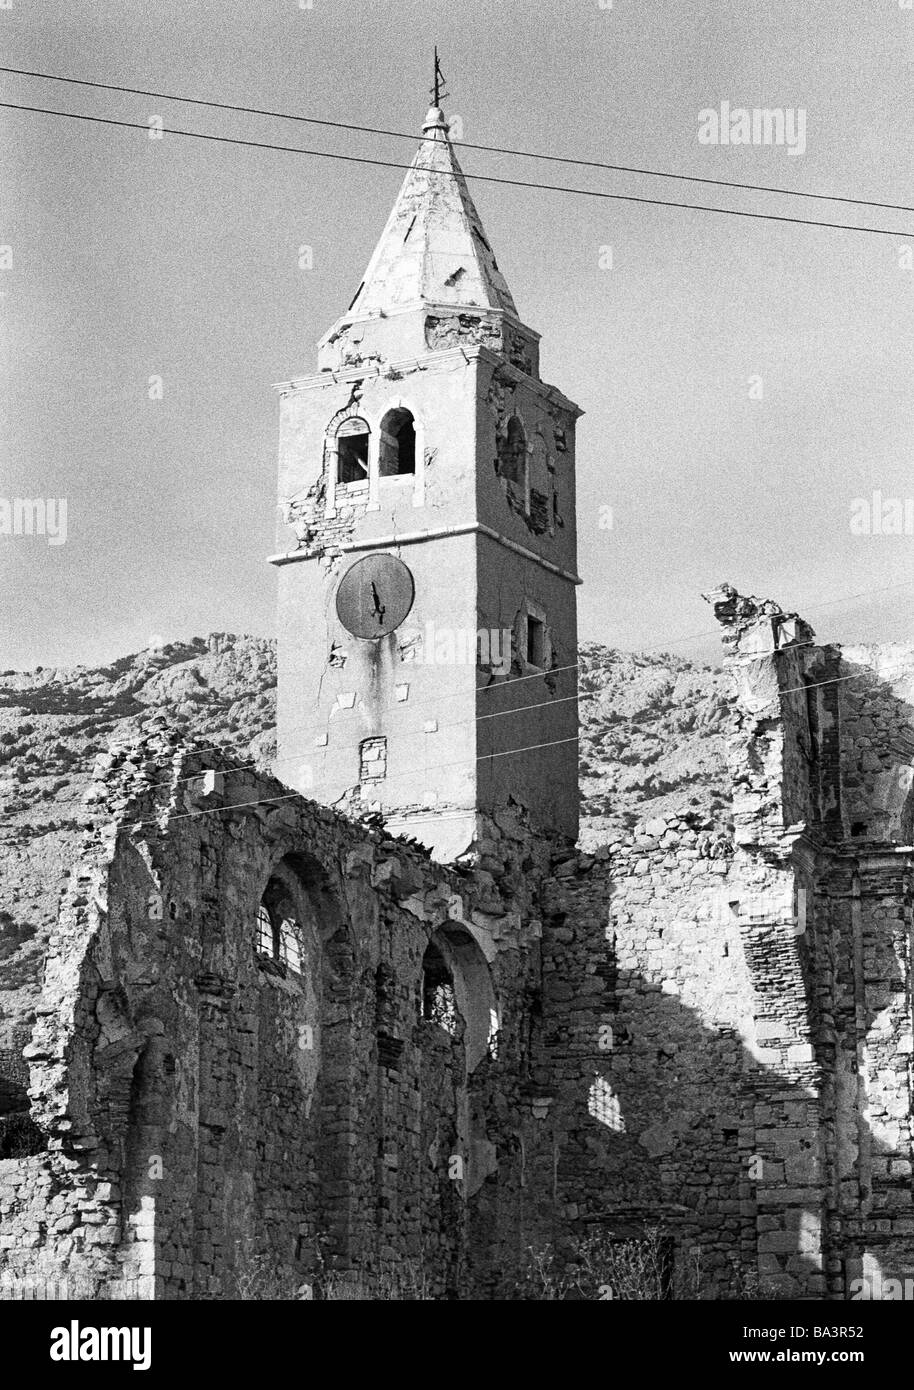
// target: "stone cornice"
[[429, 361], [290, 557]]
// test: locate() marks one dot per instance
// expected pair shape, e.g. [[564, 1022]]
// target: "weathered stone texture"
[[205, 1108], [706, 1031]]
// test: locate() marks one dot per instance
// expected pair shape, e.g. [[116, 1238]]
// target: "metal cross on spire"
[[437, 92]]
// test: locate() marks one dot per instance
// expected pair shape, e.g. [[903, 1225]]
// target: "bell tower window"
[[352, 452], [512, 454], [397, 452]]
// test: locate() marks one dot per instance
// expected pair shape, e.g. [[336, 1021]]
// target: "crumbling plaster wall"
[[548, 419], [532, 711], [467, 581], [437, 393], [331, 700]]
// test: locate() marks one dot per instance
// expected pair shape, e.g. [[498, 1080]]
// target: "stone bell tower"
[[427, 565]]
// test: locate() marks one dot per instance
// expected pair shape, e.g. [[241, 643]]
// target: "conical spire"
[[433, 249]]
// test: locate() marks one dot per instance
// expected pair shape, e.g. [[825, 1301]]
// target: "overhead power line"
[[320, 726], [459, 762], [482, 178], [464, 144], [875, 672], [665, 643]]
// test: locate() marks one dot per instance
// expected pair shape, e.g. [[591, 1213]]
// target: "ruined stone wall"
[[682, 1100], [725, 1049], [214, 1119], [865, 1039], [704, 1028], [828, 943], [207, 1112], [876, 689], [645, 990]]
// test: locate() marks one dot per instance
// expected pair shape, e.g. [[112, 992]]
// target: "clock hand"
[[378, 605]]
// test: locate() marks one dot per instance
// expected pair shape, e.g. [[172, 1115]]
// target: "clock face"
[[375, 595]]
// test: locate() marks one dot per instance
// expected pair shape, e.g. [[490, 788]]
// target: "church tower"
[[427, 632]]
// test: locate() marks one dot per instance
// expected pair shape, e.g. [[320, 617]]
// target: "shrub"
[[13, 934], [603, 1267], [20, 1136]]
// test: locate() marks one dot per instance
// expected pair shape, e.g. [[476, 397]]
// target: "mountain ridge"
[[652, 745]]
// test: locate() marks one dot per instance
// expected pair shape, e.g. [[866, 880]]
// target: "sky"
[[747, 384]]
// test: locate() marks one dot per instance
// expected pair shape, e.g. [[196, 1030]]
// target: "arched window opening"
[[278, 935], [512, 453], [352, 451], [457, 994], [397, 452], [439, 1000], [264, 932], [492, 1040]]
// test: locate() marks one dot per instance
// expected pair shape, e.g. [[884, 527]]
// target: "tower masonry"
[[427, 552]]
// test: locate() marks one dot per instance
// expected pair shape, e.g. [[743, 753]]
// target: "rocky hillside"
[[651, 746], [652, 740], [52, 724]]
